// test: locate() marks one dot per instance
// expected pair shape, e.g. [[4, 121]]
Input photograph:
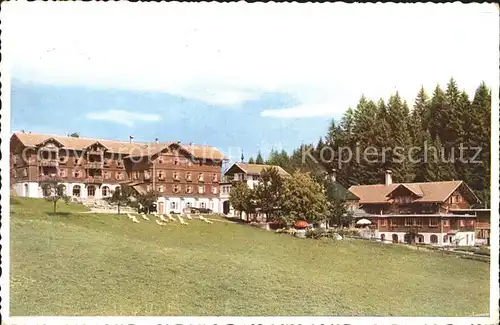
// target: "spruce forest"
[[445, 120]]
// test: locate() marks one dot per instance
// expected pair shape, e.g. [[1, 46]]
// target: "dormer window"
[[160, 160], [403, 199]]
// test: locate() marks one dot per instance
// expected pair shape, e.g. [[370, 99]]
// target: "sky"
[[236, 76]]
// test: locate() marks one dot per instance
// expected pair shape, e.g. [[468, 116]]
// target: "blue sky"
[[208, 73], [67, 109]]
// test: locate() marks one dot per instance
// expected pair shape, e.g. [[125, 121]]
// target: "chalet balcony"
[[49, 163], [94, 165], [93, 179], [50, 178], [95, 153]]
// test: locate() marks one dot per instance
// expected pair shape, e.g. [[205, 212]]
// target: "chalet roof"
[[253, 169], [431, 191], [115, 146]]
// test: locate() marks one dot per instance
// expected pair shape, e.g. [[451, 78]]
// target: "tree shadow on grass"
[[61, 214], [233, 219]]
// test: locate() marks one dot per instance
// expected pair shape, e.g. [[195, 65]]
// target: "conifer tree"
[[259, 160]]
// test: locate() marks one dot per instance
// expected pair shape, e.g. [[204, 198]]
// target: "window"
[[434, 239], [433, 222], [176, 188], [189, 163], [462, 223], [136, 175], [383, 222], [77, 174], [189, 189], [105, 191], [394, 222], [62, 173], [119, 163], [215, 177], [188, 176], [25, 172], [420, 239], [149, 187], [445, 238], [176, 176], [420, 222], [106, 162], [161, 176], [214, 189], [119, 175], [173, 205], [76, 161], [408, 222], [91, 190], [76, 190], [188, 204], [201, 189], [146, 174], [200, 177], [176, 161], [203, 205], [47, 191], [161, 188], [107, 175], [63, 159], [160, 160]]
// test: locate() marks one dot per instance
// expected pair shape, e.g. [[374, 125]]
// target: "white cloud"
[[123, 117], [324, 55]]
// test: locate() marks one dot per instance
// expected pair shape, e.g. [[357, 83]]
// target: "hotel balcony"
[[49, 162], [50, 178], [94, 165], [93, 179]]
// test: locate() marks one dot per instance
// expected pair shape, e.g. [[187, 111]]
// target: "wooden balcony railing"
[[49, 162], [94, 165], [50, 178], [93, 179]]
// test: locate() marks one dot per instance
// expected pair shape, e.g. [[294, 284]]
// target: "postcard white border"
[[5, 242]]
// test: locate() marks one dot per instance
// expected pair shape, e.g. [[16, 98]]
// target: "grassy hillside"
[[86, 264]]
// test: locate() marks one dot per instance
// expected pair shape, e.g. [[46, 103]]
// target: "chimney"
[[131, 138], [388, 177], [156, 140]]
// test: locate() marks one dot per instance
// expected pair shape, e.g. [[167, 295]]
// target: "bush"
[[316, 233], [349, 232], [275, 225]]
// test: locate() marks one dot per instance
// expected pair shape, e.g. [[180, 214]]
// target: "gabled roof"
[[96, 143], [115, 146], [51, 139], [431, 191], [253, 169], [412, 187]]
